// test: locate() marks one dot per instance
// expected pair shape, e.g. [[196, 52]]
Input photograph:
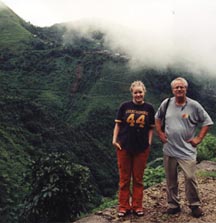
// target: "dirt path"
[[155, 204]]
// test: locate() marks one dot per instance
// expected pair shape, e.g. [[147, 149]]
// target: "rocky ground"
[[155, 204]]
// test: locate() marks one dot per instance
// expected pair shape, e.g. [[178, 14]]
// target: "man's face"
[[179, 89]]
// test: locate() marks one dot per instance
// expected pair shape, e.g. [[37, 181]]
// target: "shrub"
[[153, 176], [207, 149], [60, 191]]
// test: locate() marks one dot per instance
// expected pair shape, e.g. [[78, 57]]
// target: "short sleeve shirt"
[[181, 124], [135, 122]]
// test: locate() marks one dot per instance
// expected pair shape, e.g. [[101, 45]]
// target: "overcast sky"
[[153, 32], [48, 12]]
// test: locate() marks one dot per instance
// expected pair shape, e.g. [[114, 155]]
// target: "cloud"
[[179, 35], [154, 33], [2, 5]]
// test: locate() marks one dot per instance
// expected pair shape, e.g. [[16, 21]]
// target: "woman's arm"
[[150, 135], [115, 135]]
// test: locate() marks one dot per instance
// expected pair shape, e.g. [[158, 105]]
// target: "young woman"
[[132, 137]]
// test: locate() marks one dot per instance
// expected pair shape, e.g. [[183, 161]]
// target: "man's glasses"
[[179, 87]]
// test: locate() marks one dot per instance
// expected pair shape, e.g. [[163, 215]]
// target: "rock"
[[207, 165], [93, 219]]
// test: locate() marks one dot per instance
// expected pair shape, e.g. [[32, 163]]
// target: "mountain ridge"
[[12, 30]]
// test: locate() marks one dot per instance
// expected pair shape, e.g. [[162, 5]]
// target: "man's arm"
[[160, 133], [198, 139]]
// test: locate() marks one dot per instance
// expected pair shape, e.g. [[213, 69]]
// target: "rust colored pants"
[[131, 167]]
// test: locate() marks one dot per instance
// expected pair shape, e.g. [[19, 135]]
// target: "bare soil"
[[155, 203]]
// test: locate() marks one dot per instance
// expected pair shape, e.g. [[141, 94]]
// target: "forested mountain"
[[59, 92]]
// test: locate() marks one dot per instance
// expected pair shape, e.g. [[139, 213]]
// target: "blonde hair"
[[138, 83], [179, 79]]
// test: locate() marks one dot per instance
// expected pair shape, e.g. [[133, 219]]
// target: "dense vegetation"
[[58, 101]]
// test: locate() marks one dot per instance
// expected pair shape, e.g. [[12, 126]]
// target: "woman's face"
[[138, 94]]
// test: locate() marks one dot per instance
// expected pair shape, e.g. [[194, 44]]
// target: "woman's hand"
[[117, 145]]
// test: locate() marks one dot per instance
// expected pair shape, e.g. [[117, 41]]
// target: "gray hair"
[[179, 79]]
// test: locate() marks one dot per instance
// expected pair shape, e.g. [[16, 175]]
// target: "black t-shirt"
[[135, 121]]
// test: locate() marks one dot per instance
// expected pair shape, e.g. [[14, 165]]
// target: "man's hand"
[[163, 137], [195, 141]]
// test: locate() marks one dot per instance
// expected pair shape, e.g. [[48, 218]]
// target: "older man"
[[182, 116]]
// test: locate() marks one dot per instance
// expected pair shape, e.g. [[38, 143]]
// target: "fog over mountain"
[[159, 34], [182, 35]]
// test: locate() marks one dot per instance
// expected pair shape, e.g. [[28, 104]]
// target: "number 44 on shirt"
[[140, 120]]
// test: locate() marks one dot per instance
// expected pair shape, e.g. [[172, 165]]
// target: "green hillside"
[[28, 133], [13, 34], [58, 101]]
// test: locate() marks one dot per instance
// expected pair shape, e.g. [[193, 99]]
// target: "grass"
[[106, 203], [11, 29], [211, 174]]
